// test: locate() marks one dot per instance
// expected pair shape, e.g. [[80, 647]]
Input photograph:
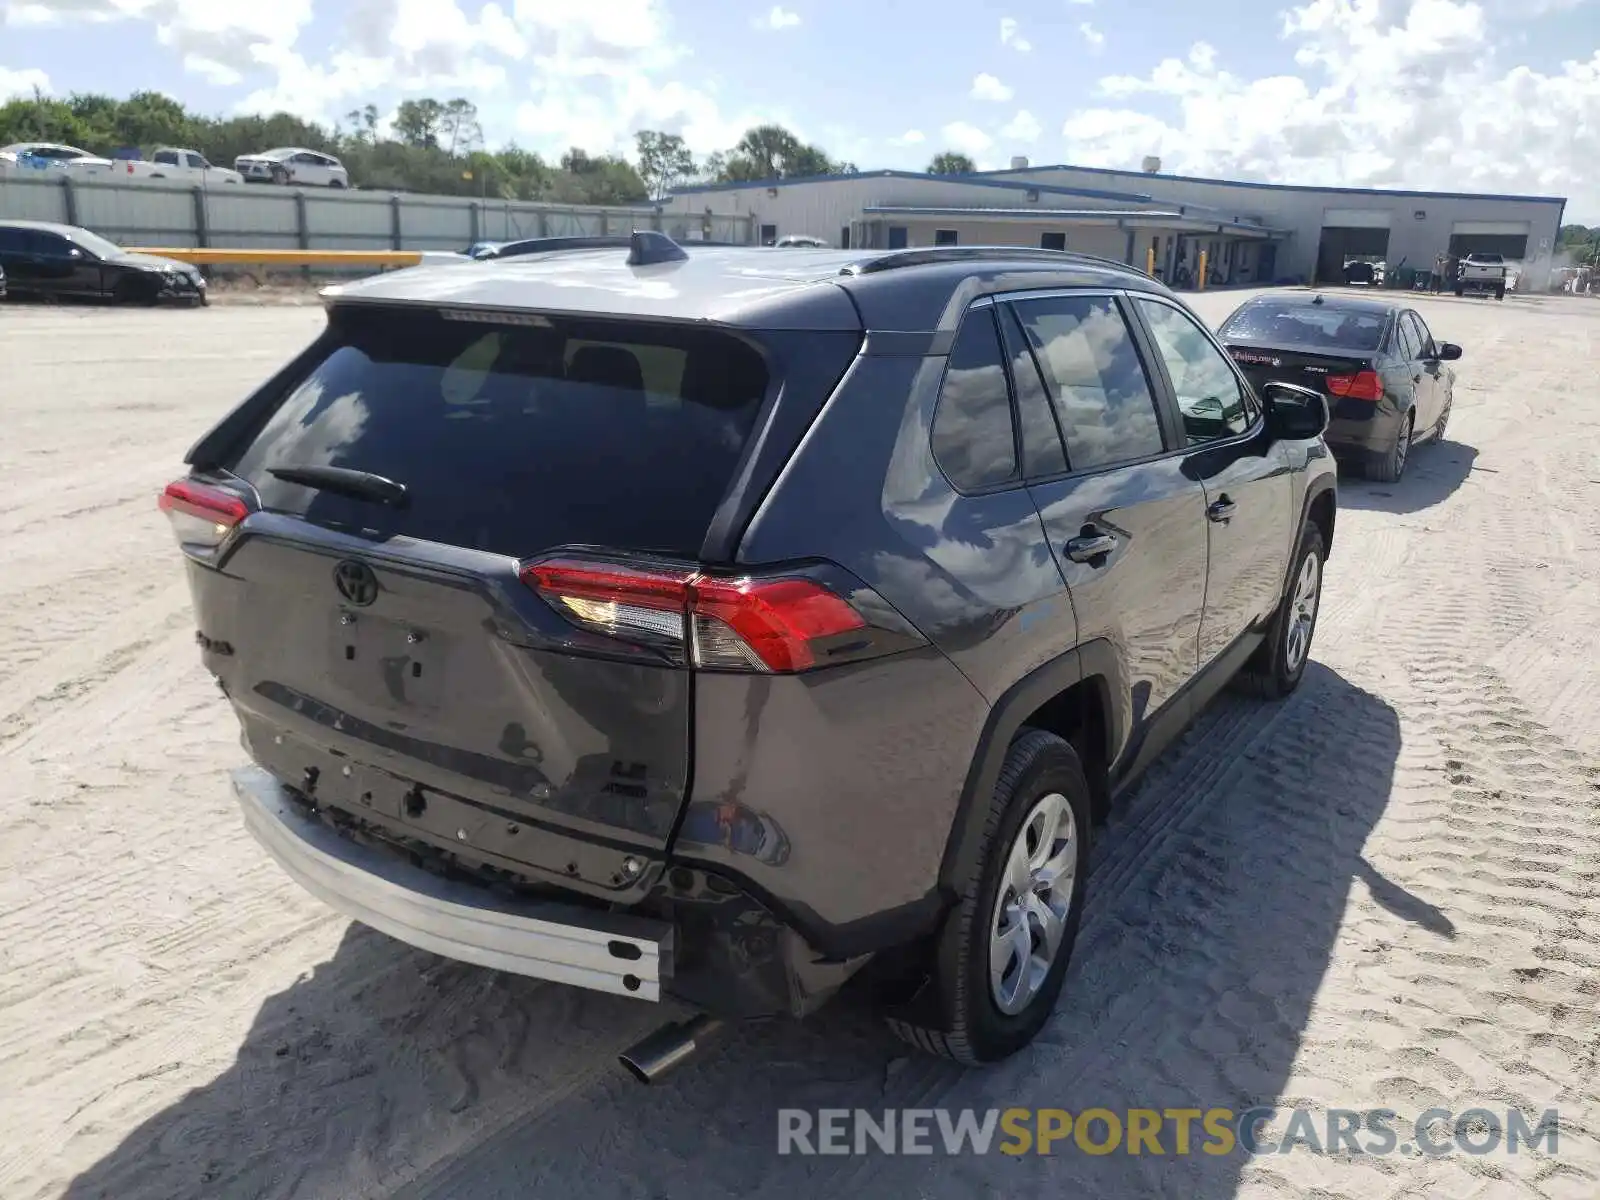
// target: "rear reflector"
[[746, 624], [201, 514], [1363, 385]]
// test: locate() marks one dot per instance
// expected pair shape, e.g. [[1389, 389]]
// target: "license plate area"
[[393, 663]]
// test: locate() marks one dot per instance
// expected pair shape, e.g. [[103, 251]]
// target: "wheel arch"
[[1084, 697]]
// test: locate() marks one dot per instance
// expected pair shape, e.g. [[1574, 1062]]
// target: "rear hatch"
[[1307, 366], [401, 571]]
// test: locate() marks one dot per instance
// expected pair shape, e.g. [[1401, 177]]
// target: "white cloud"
[[967, 138], [1388, 94], [1096, 39], [778, 18], [987, 87], [911, 137], [1024, 127], [22, 83], [1009, 36]]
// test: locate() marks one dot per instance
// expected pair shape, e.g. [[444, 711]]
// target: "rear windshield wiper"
[[362, 485]]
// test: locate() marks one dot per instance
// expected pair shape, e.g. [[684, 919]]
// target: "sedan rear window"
[[1321, 325], [516, 438]]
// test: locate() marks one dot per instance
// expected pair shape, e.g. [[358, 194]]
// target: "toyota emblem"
[[356, 582]]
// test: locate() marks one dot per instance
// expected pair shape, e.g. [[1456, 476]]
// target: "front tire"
[[1278, 666], [1001, 958]]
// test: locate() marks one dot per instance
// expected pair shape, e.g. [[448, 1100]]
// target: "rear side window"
[[515, 439], [1097, 383], [973, 439], [1405, 340]]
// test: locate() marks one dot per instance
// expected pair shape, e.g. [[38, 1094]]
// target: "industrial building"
[[1251, 232]]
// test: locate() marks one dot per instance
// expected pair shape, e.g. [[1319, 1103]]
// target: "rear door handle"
[[1087, 547], [1222, 510]]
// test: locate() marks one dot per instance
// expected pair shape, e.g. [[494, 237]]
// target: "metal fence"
[[264, 216]]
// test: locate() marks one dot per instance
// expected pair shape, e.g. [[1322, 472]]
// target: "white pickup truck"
[[1482, 273], [185, 166]]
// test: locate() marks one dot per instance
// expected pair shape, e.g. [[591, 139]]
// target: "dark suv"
[[710, 623]]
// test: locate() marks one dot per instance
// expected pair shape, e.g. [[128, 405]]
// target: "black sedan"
[[1383, 373], [42, 259]]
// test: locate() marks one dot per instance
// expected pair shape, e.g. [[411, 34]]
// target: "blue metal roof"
[[1280, 187], [977, 179], [989, 179]]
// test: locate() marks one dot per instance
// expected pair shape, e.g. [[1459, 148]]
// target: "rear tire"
[[1041, 811], [1460, 291], [280, 176], [1277, 667], [1390, 466], [1500, 292]]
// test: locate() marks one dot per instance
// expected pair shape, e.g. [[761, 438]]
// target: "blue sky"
[[1499, 95]]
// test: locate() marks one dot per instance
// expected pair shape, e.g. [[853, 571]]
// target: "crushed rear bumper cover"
[[606, 952]]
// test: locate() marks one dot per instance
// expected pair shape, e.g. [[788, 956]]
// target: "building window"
[[944, 237], [844, 237], [897, 237], [769, 235], [1053, 241]]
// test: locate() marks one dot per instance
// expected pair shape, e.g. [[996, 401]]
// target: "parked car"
[[2, 281], [291, 164], [1385, 376], [800, 241], [1363, 273], [52, 155], [488, 569], [186, 166], [43, 259], [1484, 274]]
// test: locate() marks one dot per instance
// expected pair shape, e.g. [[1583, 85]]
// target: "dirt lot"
[[1383, 893]]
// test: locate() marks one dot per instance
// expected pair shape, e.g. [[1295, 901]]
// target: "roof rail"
[[923, 256], [545, 245]]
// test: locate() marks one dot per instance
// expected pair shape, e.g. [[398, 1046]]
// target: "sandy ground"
[[1382, 893]]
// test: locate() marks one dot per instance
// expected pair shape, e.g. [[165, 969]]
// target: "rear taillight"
[[201, 515], [742, 624], [1363, 385]]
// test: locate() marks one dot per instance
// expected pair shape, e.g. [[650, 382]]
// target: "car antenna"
[[649, 246]]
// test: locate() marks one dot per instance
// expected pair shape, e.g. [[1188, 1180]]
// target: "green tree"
[[772, 152], [458, 127], [417, 122], [664, 160], [949, 162]]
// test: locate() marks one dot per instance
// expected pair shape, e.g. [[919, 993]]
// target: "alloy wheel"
[[1031, 903]]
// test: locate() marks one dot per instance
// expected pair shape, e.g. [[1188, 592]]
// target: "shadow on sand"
[[1217, 896], [1435, 471]]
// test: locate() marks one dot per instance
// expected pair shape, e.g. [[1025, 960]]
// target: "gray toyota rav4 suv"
[[712, 622]]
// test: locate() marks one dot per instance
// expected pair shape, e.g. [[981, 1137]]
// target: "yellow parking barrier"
[[216, 257], [1203, 257]]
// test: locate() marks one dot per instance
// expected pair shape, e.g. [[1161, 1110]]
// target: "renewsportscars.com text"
[[1164, 1131]]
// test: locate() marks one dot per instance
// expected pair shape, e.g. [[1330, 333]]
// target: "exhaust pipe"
[[667, 1048]]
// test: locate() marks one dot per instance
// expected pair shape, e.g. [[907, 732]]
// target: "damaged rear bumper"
[[601, 951]]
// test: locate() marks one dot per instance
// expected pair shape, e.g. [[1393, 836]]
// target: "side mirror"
[[1295, 413], [1449, 351]]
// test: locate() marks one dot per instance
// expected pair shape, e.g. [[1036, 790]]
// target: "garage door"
[[1509, 239], [1350, 233]]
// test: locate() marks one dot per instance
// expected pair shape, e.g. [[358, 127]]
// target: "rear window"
[[1325, 326], [514, 439]]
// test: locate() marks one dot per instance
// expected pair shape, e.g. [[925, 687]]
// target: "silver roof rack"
[[923, 256]]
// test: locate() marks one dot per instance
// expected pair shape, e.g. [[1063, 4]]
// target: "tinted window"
[[11, 241], [1096, 381], [167, 157], [972, 434], [516, 439], [1405, 340], [48, 245], [1209, 394], [1419, 334], [1322, 326], [1042, 453]]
